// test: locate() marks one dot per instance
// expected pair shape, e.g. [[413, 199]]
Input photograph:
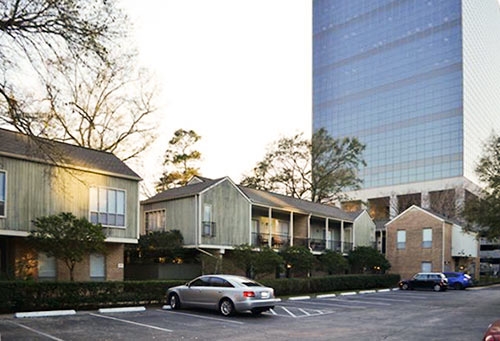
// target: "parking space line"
[[273, 312], [36, 331], [131, 322], [289, 312], [305, 312], [366, 302], [201, 316]]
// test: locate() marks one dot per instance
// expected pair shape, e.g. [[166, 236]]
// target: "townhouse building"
[[419, 240], [39, 177], [216, 215]]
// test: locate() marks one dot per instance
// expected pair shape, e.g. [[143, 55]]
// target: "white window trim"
[[426, 244], [163, 228], [398, 243], [4, 215], [125, 204]]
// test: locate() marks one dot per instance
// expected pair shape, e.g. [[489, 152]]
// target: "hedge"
[[19, 296]]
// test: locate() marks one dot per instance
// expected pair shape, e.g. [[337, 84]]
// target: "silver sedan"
[[226, 293]]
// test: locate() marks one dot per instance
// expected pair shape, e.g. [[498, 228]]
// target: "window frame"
[[3, 203], [163, 220], [95, 208], [400, 245], [92, 269], [207, 224], [426, 244], [42, 261]]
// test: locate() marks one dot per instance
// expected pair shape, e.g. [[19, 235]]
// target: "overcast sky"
[[238, 72]]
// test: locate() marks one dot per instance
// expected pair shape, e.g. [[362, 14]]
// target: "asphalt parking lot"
[[371, 315]]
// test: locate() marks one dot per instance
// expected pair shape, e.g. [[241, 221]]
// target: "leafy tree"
[[67, 238], [244, 258], [267, 262], [298, 259], [335, 163], [180, 159], [483, 213], [164, 246], [255, 263], [317, 170], [333, 262], [365, 259]]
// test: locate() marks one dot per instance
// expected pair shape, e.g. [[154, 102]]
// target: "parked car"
[[226, 293], [493, 332], [425, 280], [458, 280]]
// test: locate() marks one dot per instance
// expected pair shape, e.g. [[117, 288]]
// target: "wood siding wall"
[[230, 213], [36, 190]]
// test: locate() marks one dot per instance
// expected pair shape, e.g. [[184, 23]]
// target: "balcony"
[[277, 240]]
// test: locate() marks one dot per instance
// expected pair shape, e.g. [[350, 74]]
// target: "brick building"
[[419, 240]]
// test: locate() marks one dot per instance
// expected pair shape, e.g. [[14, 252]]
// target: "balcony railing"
[[315, 244], [275, 241]]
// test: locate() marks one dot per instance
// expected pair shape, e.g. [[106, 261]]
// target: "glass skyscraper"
[[417, 81]]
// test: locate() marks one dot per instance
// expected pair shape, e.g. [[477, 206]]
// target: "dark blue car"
[[458, 280]]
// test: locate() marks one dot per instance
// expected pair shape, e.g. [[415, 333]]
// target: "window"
[[427, 238], [426, 266], [107, 206], [155, 221], [2, 193], [208, 224], [219, 282], [97, 267], [401, 243], [46, 267]]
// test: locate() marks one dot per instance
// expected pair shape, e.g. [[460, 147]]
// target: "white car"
[[226, 293]]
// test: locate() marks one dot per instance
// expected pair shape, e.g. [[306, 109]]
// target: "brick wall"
[[408, 261]]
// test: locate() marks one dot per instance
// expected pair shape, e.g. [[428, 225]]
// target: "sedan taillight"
[[248, 294]]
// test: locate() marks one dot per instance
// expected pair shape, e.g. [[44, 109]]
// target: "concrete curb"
[[298, 298], [326, 296], [45, 313], [121, 310]]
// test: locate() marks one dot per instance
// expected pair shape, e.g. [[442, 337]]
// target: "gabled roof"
[[21, 146], [256, 197], [424, 210], [192, 189], [275, 200]]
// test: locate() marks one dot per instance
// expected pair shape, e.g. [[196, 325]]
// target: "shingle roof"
[[282, 201], [182, 192], [19, 145]]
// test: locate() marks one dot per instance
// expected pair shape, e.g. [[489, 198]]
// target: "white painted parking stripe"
[[273, 312], [305, 312], [289, 312], [36, 331], [132, 322], [366, 302], [202, 317]]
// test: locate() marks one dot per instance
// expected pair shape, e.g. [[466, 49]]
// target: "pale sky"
[[237, 72]]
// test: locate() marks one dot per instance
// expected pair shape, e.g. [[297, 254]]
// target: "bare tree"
[[108, 108], [34, 31], [71, 75]]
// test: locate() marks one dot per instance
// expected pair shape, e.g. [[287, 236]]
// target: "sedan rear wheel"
[[437, 287], [226, 307], [404, 286], [174, 301]]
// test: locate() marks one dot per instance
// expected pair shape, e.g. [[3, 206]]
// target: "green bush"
[[299, 286], [19, 296]]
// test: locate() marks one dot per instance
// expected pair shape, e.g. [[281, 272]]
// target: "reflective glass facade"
[[390, 72]]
